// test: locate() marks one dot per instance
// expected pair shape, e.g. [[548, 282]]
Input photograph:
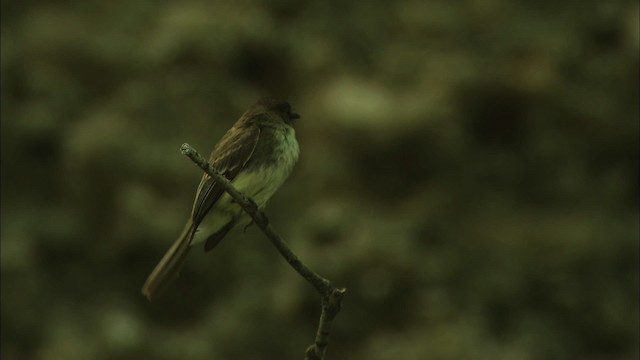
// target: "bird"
[[256, 155]]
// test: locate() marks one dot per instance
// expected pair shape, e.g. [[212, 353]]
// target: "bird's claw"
[[252, 205]]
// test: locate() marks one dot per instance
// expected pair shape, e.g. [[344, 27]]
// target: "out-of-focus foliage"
[[468, 171]]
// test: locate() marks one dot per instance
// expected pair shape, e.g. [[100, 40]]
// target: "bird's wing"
[[228, 157]]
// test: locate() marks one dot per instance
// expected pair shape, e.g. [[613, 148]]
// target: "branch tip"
[[185, 149]]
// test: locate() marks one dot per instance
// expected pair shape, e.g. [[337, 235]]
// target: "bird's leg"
[[253, 207]]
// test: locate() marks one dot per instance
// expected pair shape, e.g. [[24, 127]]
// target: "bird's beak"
[[294, 116]]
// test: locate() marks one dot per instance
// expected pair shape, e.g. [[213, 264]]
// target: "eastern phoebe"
[[257, 154]]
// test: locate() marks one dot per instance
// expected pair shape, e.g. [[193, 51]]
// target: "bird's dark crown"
[[282, 107]]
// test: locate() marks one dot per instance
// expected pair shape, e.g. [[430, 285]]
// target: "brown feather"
[[229, 157], [215, 239], [170, 264]]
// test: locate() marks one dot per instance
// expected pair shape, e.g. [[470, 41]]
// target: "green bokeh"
[[468, 172]]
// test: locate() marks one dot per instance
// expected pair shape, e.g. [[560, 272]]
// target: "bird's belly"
[[258, 180], [259, 184], [216, 219]]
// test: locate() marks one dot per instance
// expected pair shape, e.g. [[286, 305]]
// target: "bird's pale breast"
[[259, 180]]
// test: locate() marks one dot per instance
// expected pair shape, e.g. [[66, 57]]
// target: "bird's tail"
[[170, 264]]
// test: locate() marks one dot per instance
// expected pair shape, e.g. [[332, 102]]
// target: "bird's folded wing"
[[229, 157]]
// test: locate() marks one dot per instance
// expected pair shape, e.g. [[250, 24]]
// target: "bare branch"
[[330, 307], [331, 296]]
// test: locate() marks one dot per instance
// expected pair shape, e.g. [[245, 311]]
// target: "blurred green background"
[[468, 172]]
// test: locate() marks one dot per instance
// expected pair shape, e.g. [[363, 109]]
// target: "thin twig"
[[330, 307], [331, 296]]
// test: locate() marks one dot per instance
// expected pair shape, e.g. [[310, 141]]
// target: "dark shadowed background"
[[468, 172]]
